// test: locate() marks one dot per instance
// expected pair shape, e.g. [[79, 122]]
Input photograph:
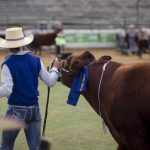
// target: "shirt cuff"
[[54, 69]]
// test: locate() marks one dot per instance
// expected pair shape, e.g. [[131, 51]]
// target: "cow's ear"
[[104, 59], [88, 56], [85, 58], [81, 60]]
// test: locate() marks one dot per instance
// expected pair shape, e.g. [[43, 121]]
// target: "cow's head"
[[73, 64]]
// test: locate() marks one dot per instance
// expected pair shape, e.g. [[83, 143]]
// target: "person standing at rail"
[[143, 40], [60, 44], [122, 43], [132, 39], [20, 72]]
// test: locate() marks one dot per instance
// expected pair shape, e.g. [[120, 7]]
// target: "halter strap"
[[105, 128], [99, 87]]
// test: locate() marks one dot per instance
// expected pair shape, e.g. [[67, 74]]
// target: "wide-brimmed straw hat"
[[15, 38]]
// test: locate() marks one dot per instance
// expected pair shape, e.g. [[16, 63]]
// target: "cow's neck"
[[94, 80]]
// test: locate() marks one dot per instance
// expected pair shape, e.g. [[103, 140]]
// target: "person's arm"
[[7, 82], [49, 78]]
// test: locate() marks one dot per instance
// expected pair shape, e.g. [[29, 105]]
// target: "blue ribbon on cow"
[[79, 84]]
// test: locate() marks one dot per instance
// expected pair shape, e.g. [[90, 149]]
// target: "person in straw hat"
[[19, 76]]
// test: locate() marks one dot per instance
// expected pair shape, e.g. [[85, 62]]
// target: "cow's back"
[[126, 103]]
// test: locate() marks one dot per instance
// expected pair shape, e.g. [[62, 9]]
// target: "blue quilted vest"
[[24, 70]]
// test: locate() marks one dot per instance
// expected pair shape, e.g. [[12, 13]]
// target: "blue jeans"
[[32, 117]]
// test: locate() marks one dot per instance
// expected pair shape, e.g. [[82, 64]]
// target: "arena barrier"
[[87, 38], [91, 38]]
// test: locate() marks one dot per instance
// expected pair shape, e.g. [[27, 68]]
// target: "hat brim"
[[15, 44]]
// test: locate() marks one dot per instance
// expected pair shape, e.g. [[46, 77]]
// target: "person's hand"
[[56, 63]]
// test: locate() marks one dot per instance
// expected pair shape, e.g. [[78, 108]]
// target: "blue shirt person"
[[122, 43], [20, 72], [60, 43], [132, 39]]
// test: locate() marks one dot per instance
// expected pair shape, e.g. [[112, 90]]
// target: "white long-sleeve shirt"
[[49, 78]]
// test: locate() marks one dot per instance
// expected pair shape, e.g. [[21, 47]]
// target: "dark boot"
[[45, 144]]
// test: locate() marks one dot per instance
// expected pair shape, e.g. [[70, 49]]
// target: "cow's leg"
[[121, 148]]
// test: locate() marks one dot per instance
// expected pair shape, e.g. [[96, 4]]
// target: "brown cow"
[[47, 39], [122, 98]]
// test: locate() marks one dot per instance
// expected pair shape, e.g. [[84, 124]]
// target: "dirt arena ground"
[[116, 56], [47, 55]]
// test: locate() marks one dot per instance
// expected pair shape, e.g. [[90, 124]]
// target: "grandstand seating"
[[75, 14]]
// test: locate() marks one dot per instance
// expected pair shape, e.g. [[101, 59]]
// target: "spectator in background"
[[60, 44], [132, 39], [148, 31], [121, 40], [143, 39]]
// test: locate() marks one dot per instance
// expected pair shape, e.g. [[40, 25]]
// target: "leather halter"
[[62, 67]]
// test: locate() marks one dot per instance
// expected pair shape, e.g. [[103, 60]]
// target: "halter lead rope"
[[46, 110], [47, 102]]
